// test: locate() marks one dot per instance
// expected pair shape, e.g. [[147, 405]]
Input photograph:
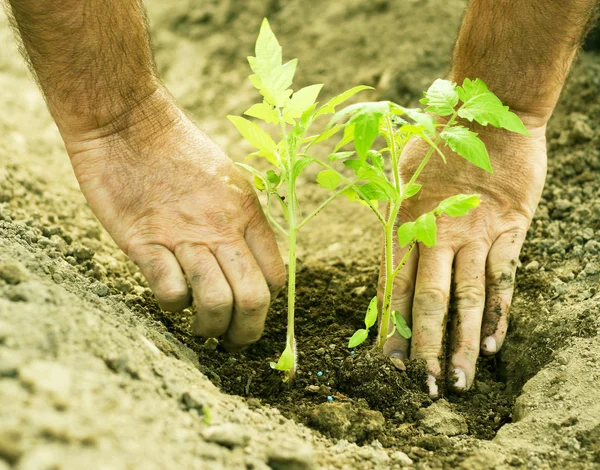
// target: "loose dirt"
[[93, 375]]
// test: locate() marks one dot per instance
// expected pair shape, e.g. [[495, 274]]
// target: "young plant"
[[293, 113], [445, 103]]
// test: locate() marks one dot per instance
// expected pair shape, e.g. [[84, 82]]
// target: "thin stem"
[[272, 219], [323, 204], [389, 277], [291, 186], [358, 191], [394, 155], [432, 149], [404, 258]]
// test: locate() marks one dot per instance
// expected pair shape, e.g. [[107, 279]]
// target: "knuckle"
[[470, 295], [501, 278], [430, 300], [215, 304], [173, 295], [254, 303], [276, 280]]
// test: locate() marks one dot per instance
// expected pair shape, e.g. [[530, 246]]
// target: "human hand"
[[179, 208], [483, 247]]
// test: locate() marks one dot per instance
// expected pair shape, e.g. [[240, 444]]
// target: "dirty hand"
[[483, 247], [179, 208]]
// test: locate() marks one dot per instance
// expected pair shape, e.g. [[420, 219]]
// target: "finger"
[[469, 293], [250, 293], [402, 300], [261, 241], [212, 295], [163, 273], [502, 264], [430, 309]]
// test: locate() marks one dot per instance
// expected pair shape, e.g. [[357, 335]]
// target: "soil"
[[94, 375]]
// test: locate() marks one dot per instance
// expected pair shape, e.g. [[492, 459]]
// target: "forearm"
[[522, 49], [92, 58]]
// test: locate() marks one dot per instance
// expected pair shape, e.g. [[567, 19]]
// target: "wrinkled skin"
[[483, 248], [181, 210]]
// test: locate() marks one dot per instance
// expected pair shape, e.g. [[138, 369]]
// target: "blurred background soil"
[[93, 375]]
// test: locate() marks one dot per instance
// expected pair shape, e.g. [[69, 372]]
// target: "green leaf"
[[259, 183], [424, 122], [301, 101], [257, 137], [358, 337], [286, 360], [329, 107], [328, 179], [401, 325], [301, 164], [409, 190], [272, 78], [377, 160], [373, 192], [441, 97], [459, 205], [263, 111], [273, 177], [340, 156], [372, 313], [326, 134], [466, 143], [426, 229], [366, 130], [482, 106], [346, 138], [406, 233]]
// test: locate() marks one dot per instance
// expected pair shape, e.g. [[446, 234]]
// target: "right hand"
[[482, 248], [182, 211]]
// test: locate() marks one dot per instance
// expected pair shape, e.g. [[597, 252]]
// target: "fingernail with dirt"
[[432, 384], [460, 383], [398, 355], [489, 345]]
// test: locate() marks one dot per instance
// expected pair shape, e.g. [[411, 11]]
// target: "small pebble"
[[352, 352], [330, 399], [319, 374]]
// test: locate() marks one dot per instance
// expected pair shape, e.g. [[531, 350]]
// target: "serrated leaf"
[[272, 77], [406, 233], [358, 337], [301, 164], [372, 313], [373, 192], [353, 196], [257, 137], [328, 179], [482, 106], [364, 171], [466, 143], [301, 101], [286, 360], [377, 160], [340, 156], [459, 205], [409, 190], [263, 111], [441, 97], [426, 229], [329, 107], [401, 325]]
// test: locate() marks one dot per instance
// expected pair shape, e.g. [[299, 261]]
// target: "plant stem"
[[323, 204], [292, 229], [386, 309]]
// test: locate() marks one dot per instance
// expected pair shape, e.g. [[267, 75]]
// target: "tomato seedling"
[[293, 114], [445, 103]]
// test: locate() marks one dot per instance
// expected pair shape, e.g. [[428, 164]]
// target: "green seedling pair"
[[375, 173]]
